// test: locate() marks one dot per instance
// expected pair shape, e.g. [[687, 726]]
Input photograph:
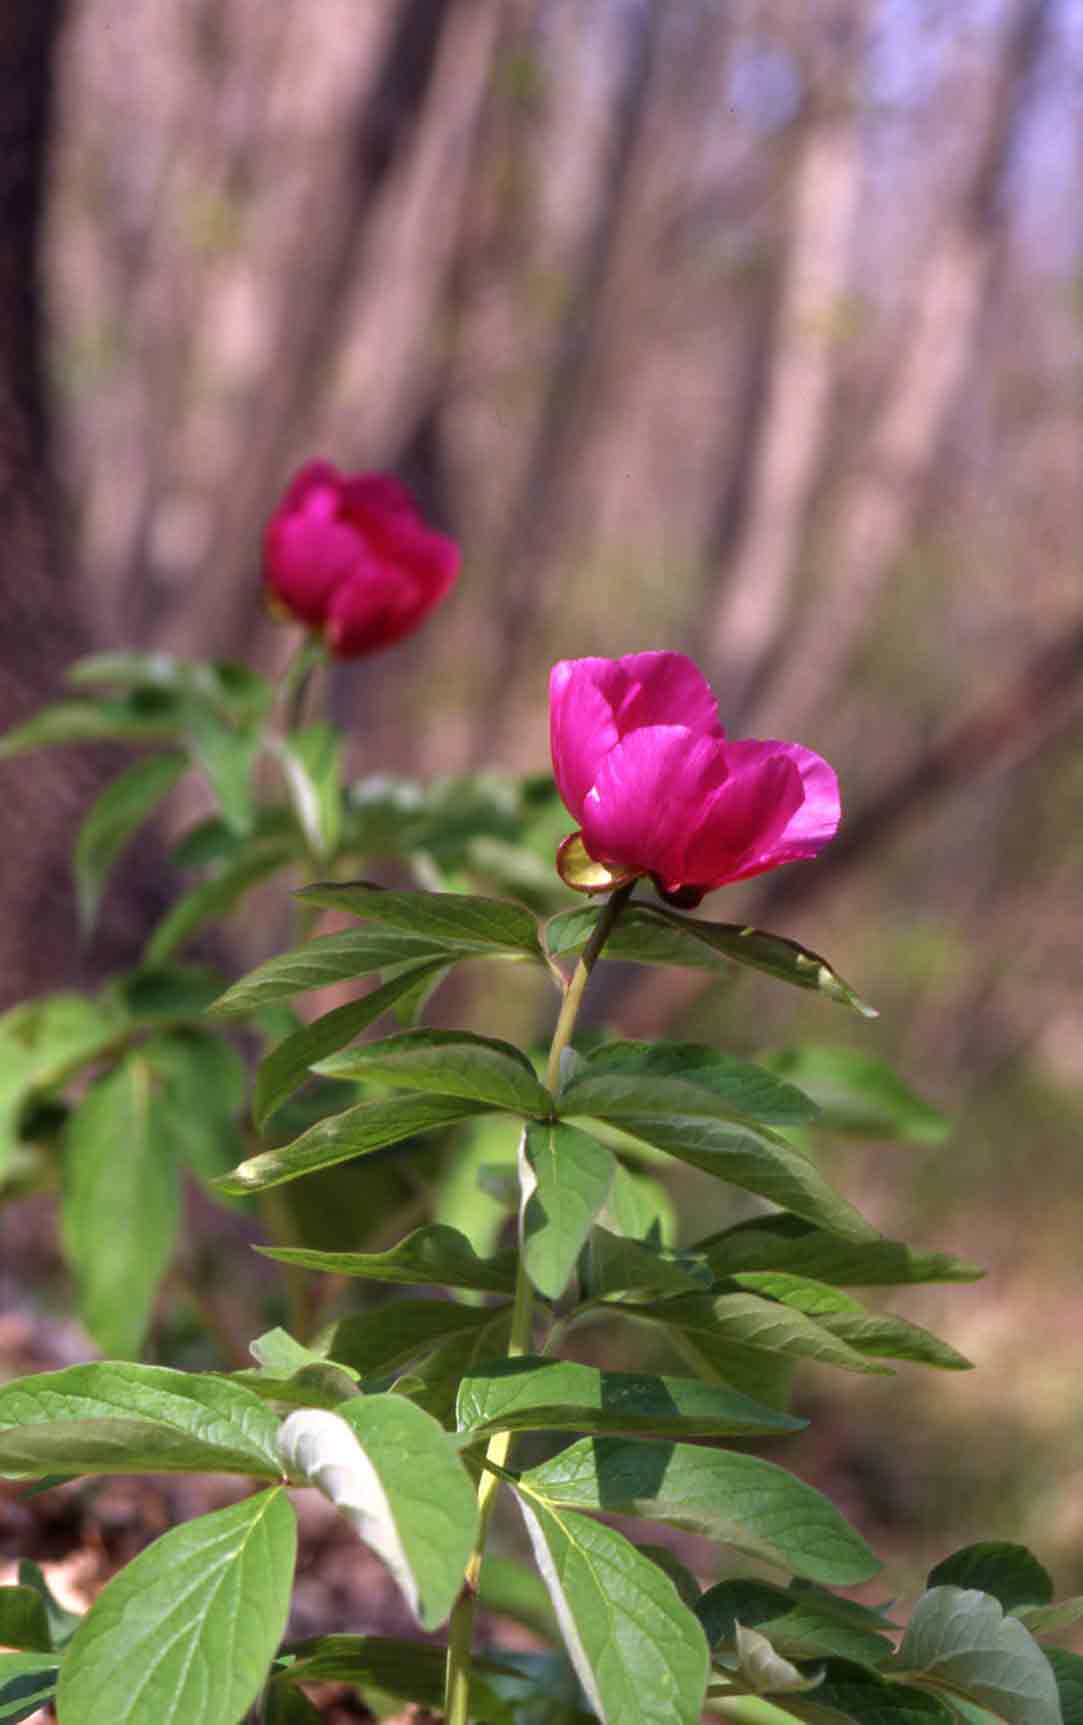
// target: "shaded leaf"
[[312, 764], [1068, 1674], [751, 1091], [113, 817], [434, 1256], [1011, 1573], [453, 920], [535, 1394], [398, 1330], [616, 1265], [406, 1670], [287, 1066], [859, 1093], [738, 1499], [24, 1623], [565, 1178], [745, 1321], [772, 953], [188, 1629], [792, 1244], [640, 937], [355, 1132], [448, 1063], [135, 719], [392, 1472], [200, 1083], [215, 897], [327, 959], [961, 1638], [511, 1589], [852, 1695]]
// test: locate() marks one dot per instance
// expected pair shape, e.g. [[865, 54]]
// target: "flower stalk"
[[461, 1625]]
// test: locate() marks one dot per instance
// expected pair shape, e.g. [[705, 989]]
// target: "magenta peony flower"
[[645, 767], [349, 554]]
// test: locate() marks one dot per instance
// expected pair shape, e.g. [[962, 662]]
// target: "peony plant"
[[421, 1414]]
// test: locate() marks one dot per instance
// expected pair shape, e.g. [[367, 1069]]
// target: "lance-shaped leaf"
[[961, 1638], [434, 1381], [618, 1094], [742, 1088], [395, 1331], [288, 1065], [112, 819], [188, 1629], [448, 1063], [535, 1394], [393, 1473], [789, 1243], [215, 897], [312, 764], [637, 1649], [565, 1177], [112, 1417], [884, 1337], [137, 719], [27, 1683], [859, 1093], [745, 1321], [798, 1625], [230, 688], [405, 1670], [1011, 1573], [640, 937], [433, 1256], [120, 1205], [749, 1156], [771, 953], [738, 1499], [327, 959], [339, 1137], [455, 921]]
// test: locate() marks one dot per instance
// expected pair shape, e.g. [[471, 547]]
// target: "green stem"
[[461, 1626]]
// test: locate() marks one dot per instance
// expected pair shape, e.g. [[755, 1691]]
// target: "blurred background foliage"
[[751, 329]]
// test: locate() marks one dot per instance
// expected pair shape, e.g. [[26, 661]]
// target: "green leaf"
[[27, 1682], [232, 689], [745, 1321], [688, 1588], [637, 1650], [312, 764], [62, 1623], [176, 991], [763, 1668], [434, 1381], [285, 1706], [188, 1629], [961, 1638], [354, 1132], [1011, 1573], [407, 1670], [434, 1256], [42, 1044], [772, 953], [327, 959], [448, 1063], [851, 1695], [640, 937], [798, 1626], [135, 719], [1050, 1619], [756, 1507], [113, 817], [455, 921], [640, 1208], [394, 1474], [791, 1244], [120, 1205], [566, 1178], [24, 1622], [859, 1093], [536, 1394], [885, 1337], [200, 1083], [287, 1066], [742, 1088], [804, 1294], [216, 897], [227, 751], [615, 1265], [116, 1418], [395, 1331], [751, 1157], [767, 1377], [1068, 1674]]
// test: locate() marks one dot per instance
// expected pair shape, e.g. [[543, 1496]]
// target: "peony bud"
[[349, 554], [644, 766]]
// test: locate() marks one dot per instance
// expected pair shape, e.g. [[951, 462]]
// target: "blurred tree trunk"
[[874, 510], [795, 383], [40, 606]]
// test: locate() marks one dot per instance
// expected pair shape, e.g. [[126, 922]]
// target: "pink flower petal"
[[746, 817], [647, 796]]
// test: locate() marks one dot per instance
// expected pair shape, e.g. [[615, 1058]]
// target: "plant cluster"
[[410, 1413]]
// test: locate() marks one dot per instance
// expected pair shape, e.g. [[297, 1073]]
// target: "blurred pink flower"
[[645, 767], [349, 554]]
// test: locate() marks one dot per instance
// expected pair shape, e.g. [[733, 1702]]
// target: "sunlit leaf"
[[961, 1638], [565, 1177], [327, 959], [449, 1063], [453, 920]]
